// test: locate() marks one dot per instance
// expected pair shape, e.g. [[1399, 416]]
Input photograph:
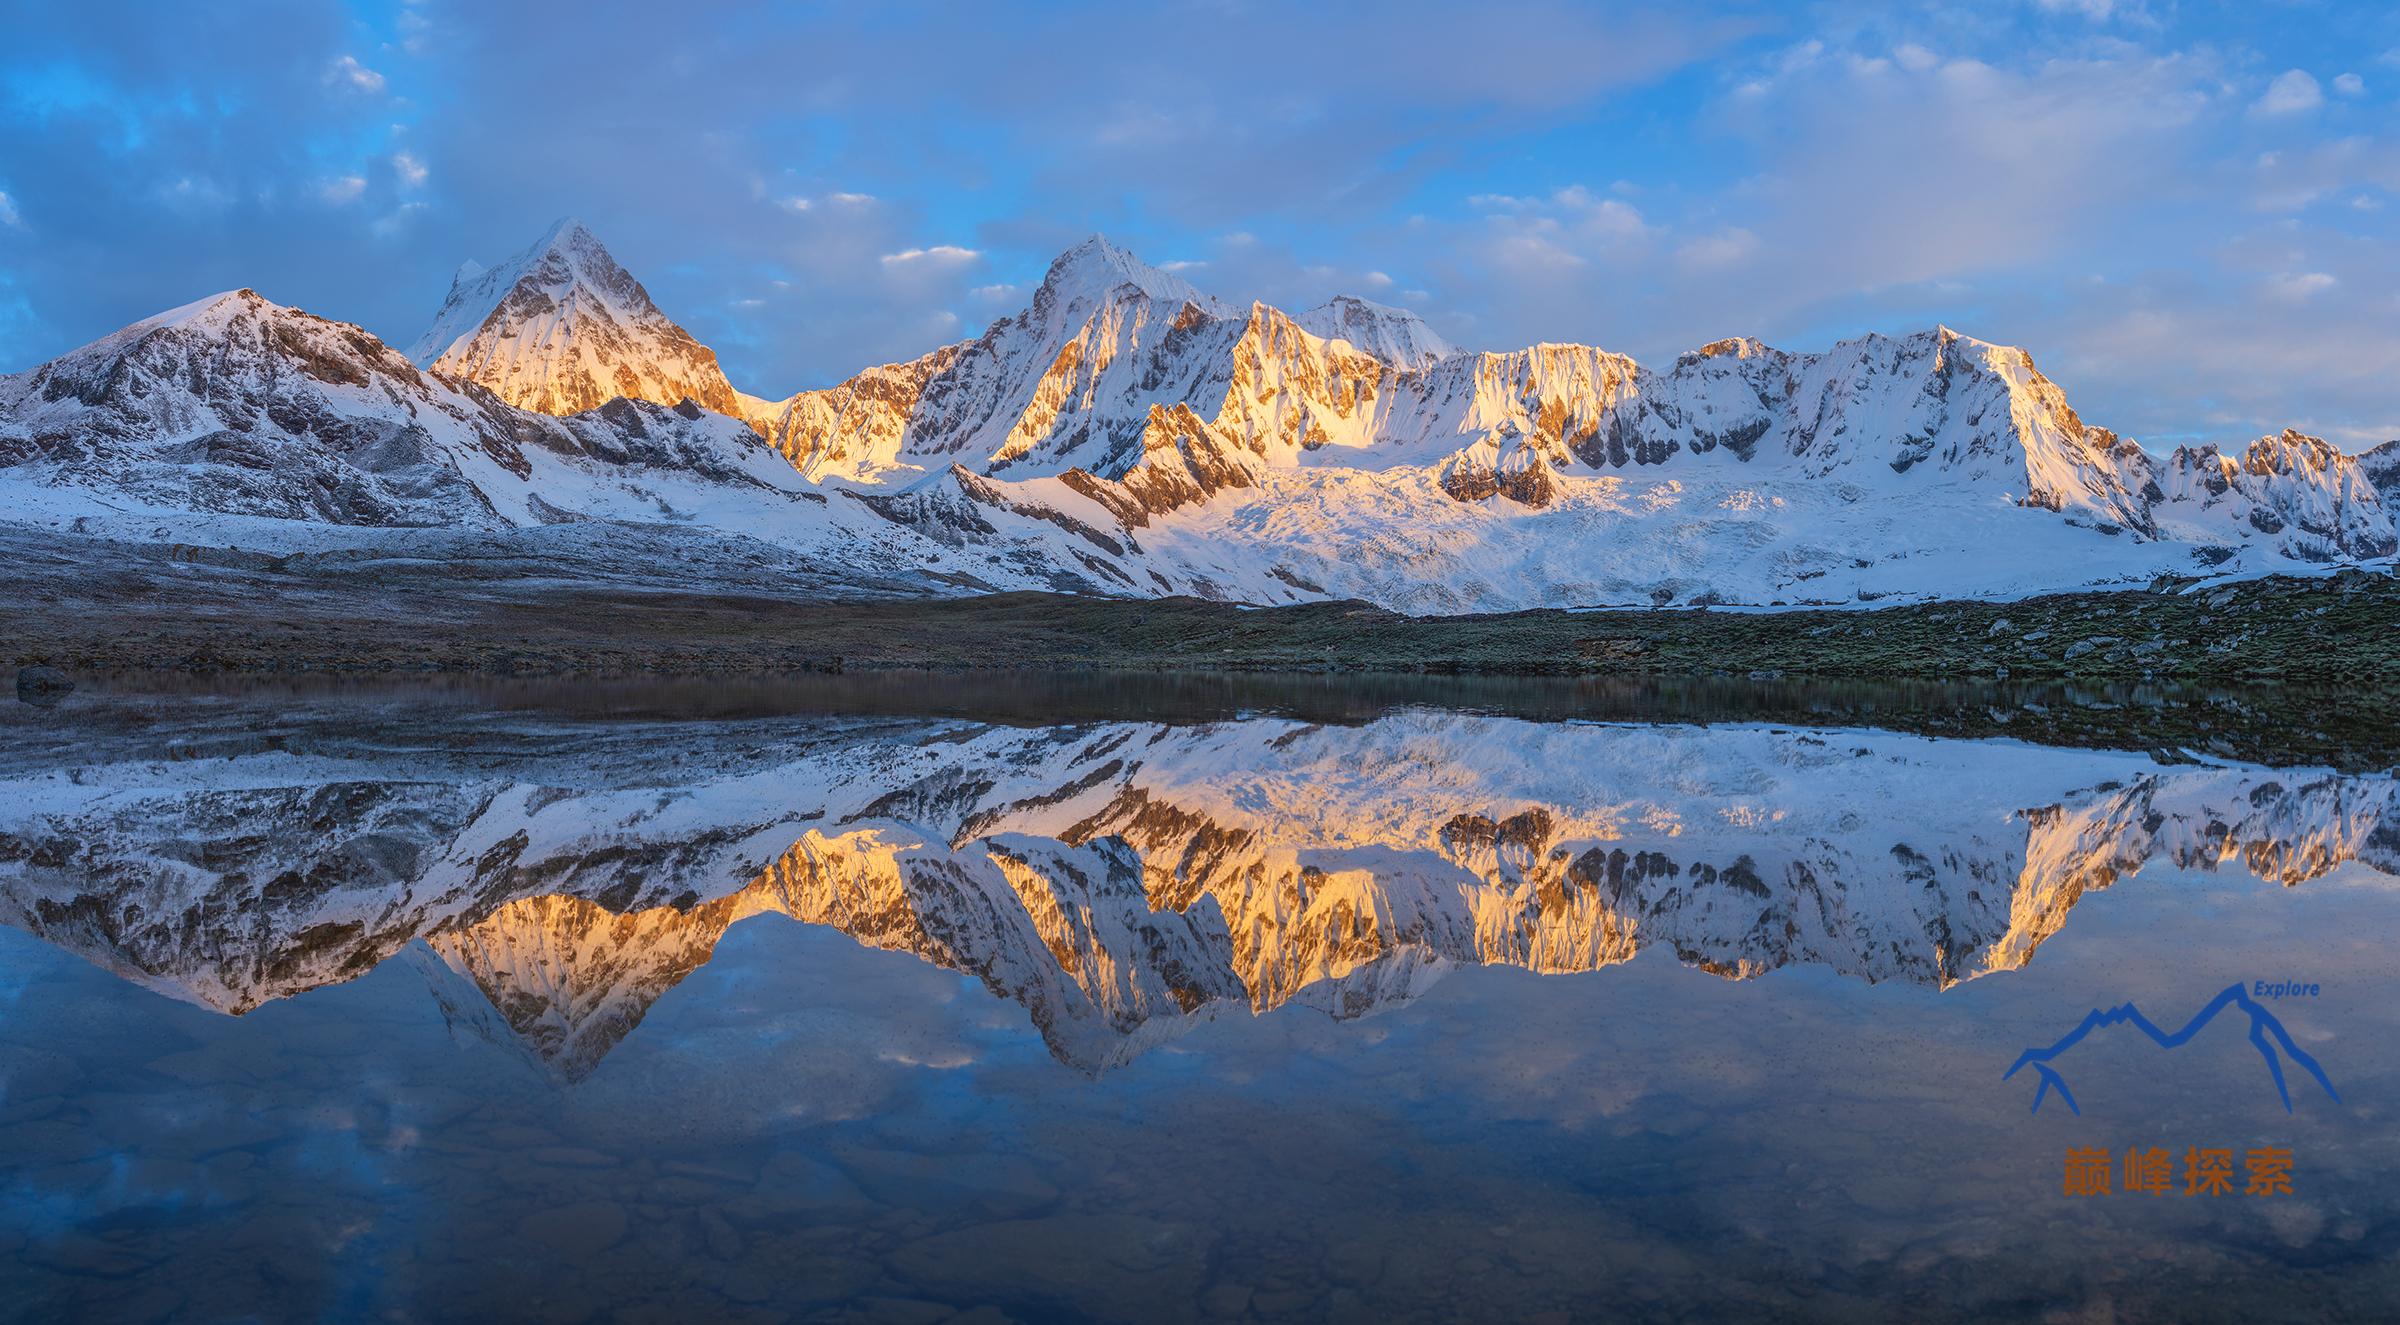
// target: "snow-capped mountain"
[[235, 406], [2321, 504], [1147, 438], [1123, 881], [1128, 434], [853, 431], [1394, 335], [239, 405], [570, 978], [561, 328], [2381, 465]]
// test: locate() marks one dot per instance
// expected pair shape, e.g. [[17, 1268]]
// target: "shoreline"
[[2341, 630], [2345, 727]]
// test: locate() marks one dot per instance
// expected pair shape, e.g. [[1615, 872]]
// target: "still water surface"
[[331, 1008]]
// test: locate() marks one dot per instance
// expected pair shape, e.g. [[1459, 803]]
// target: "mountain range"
[[1120, 881], [1127, 434]]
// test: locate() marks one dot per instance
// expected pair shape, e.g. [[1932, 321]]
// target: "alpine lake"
[[1054, 998]]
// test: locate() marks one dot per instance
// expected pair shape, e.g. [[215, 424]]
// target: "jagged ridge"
[[1129, 434]]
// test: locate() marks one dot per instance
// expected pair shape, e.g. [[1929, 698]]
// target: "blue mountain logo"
[[2265, 1032]]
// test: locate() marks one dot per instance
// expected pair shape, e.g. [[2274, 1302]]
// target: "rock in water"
[[42, 686]]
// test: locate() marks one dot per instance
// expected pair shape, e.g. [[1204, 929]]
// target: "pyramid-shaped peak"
[[569, 249], [566, 258], [571, 236], [1097, 248], [1095, 267], [561, 328], [566, 253]]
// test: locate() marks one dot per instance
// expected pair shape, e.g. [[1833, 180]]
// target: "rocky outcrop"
[[853, 431], [2298, 493], [1184, 461], [2381, 466]]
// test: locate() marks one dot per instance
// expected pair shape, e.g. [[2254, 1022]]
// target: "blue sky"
[[2184, 210]]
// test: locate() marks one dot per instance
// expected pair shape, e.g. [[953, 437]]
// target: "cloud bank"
[[2187, 217]]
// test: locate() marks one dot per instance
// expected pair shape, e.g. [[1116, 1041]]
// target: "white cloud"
[[1729, 247], [2293, 91], [853, 199], [194, 194], [342, 189], [1540, 240], [1967, 159], [2092, 9], [8, 212], [939, 255], [415, 31], [1879, 194], [2296, 286], [397, 222], [1378, 281], [1600, 217], [1182, 264], [2350, 85], [412, 171], [995, 293], [794, 204], [349, 72]]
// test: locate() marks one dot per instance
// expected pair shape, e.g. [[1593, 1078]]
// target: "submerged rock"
[[42, 686]]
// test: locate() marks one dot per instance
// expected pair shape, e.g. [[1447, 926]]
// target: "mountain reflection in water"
[[1121, 881]]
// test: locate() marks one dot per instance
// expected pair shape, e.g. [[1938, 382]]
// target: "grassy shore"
[[2340, 630], [2303, 671]]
